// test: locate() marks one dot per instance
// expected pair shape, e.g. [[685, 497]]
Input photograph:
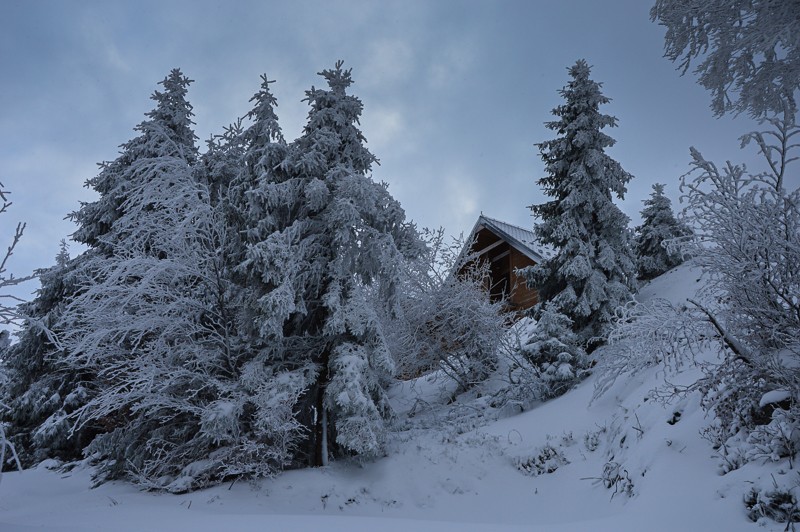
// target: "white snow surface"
[[453, 467]]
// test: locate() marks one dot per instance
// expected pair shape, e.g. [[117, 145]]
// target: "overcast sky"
[[455, 94]]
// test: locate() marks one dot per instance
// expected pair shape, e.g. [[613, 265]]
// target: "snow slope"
[[455, 467]]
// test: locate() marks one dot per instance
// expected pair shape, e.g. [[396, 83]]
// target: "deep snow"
[[455, 467]]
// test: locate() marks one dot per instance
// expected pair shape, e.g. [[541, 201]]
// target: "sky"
[[455, 93]]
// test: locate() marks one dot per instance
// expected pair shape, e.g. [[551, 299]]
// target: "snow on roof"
[[522, 239]]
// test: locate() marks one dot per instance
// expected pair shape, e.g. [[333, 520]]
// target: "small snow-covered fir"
[[658, 239]]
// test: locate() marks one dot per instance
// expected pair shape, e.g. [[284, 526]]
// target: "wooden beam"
[[502, 255], [490, 247]]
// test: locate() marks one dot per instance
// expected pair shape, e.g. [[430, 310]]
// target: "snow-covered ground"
[[620, 462]]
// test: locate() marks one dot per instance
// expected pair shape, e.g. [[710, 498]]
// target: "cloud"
[[100, 42], [42, 199], [388, 62], [385, 129], [451, 62], [461, 197]]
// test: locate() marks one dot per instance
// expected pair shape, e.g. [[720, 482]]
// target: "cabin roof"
[[523, 240]]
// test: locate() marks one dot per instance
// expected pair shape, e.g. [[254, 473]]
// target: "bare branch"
[[8, 313]]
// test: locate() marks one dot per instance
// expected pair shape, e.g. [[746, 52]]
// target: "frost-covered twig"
[[6, 445], [8, 312]]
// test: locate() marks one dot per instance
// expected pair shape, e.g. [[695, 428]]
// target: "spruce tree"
[[593, 270], [40, 392], [659, 226], [328, 233], [184, 399], [219, 165], [99, 316], [167, 131], [557, 359], [183, 402], [254, 205]]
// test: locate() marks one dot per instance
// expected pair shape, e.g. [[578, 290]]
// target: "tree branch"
[[741, 352]]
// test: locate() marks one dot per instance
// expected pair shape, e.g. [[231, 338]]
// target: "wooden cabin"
[[507, 248]]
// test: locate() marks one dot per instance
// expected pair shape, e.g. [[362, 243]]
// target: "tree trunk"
[[320, 437], [324, 442]]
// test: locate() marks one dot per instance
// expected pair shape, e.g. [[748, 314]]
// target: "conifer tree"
[[659, 227], [41, 365], [558, 362], [117, 334], [40, 393], [219, 165], [262, 149], [328, 232], [167, 131], [593, 270], [184, 404], [183, 398], [254, 206]]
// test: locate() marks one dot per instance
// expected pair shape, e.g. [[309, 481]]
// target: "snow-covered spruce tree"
[[41, 366], [555, 355], [657, 239], [219, 165], [446, 320], [593, 270], [40, 392], [183, 402], [252, 210], [167, 131], [330, 232], [183, 399]]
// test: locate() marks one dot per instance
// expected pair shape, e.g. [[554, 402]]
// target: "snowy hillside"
[[621, 462]]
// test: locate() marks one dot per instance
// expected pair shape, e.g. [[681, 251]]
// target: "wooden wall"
[[503, 261], [522, 297]]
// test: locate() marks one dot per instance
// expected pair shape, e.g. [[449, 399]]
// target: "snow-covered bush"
[[7, 448], [591, 440], [657, 332], [746, 318], [8, 314], [749, 246], [546, 460], [778, 439], [616, 477], [446, 319], [778, 504], [554, 356], [8, 302]]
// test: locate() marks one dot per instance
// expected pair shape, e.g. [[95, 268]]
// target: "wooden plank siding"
[[504, 259], [522, 297]]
